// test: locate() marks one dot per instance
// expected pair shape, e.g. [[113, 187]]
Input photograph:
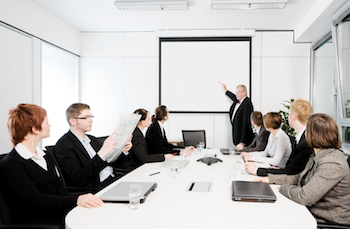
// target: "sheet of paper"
[[124, 129]]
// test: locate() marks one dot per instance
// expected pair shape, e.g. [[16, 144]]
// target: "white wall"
[[29, 17], [119, 72]]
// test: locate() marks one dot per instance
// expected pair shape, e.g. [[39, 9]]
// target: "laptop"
[[119, 193], [252, 191]]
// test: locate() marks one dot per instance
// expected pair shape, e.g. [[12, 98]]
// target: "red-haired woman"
[[28, 179]]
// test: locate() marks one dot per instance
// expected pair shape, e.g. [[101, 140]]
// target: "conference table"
[[171, 205]]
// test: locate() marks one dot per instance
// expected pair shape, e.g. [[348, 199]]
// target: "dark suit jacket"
[[156, 142], [139, 153], [296, 162], [78, 168], [241, 125], [260, 141], [33, 194]]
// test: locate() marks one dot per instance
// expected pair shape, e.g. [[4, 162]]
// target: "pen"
[[154, 173]]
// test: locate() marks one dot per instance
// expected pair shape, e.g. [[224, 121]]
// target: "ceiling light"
[[247, 4], [151, 5]]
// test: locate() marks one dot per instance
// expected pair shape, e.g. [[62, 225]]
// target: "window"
[[341, 34], [60, 88], [323, 75]]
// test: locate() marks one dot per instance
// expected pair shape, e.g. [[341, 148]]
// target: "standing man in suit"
[[262, 135], [300, 110], [240, 111], [81, 156]]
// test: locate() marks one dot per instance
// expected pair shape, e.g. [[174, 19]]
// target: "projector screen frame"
[[203, 39]]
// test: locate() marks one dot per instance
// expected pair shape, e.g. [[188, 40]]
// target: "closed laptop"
[[119, 193], [252, 191]]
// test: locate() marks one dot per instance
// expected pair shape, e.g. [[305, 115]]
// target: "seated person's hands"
[[108, 145], [239, 147], [262, 179], [246, 156], [189, 149], [128, 145], [168, 156], [89, 201], [273, 167], [250, 167]]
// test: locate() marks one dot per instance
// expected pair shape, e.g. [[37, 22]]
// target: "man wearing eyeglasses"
[[81, 156]]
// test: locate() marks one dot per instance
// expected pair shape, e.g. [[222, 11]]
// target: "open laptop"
[[119, 193], [252, 191]]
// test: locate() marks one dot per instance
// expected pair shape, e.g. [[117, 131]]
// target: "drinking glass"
[[134, 195], [174, 170], [201, 145]]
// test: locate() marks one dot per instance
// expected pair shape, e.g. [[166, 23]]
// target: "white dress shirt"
[[297, 138], [161, 127], [26, 154], [236, 108], [277, 152]]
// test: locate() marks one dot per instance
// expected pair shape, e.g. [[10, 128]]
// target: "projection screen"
[[191, 69]]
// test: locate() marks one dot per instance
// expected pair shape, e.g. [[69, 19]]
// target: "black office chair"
[[71, 189], [5, 219], [193, 137]]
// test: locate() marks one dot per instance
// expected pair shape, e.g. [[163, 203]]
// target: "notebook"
[[178, 163], [252, 191], [119, 193]]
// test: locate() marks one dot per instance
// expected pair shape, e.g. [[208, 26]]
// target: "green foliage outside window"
[[284, 114]]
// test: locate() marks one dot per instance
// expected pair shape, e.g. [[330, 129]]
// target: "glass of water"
[[134, 195], [174, 170]]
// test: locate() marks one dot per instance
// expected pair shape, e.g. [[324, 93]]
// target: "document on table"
[[124, 129]]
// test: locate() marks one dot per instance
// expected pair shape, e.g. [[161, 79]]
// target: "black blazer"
[[33, 194], [156, 142], [296, 162], [260, 141], [139, 153], [241, 125], [78, 168]]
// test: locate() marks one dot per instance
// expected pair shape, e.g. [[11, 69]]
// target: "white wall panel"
[[102, 87], [16, 81], [222, 131], [102, 44], [256, 83], [280, 44], [283, 79], [141, 44], [256, 44], [141, 83]]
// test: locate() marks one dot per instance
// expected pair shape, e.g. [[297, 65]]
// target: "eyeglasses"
[[85, 118]]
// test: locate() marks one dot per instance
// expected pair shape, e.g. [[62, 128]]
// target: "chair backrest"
[[4, 209], [50, 152], [193, 137]]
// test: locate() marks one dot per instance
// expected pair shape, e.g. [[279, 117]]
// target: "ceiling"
[[102, 15]]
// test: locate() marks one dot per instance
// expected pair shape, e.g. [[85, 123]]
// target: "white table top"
[[171, 206]]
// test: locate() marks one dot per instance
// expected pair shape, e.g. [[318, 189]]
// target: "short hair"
[[22, 119], [301, 109], [322, 132], [242, 86], [273, 120], [143, 114], [75, 110], [257, 118], [159, 113]]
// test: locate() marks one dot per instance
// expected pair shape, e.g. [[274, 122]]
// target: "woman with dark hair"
[[156, 137], [139, 153], [323, 186], [278, 147], [29, 182]]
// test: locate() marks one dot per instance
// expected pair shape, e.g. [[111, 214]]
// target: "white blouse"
[[277, 152]]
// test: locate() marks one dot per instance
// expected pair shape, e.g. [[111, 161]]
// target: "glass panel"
[[323, 98], [346, 134], [59, 88], [343, 41]]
